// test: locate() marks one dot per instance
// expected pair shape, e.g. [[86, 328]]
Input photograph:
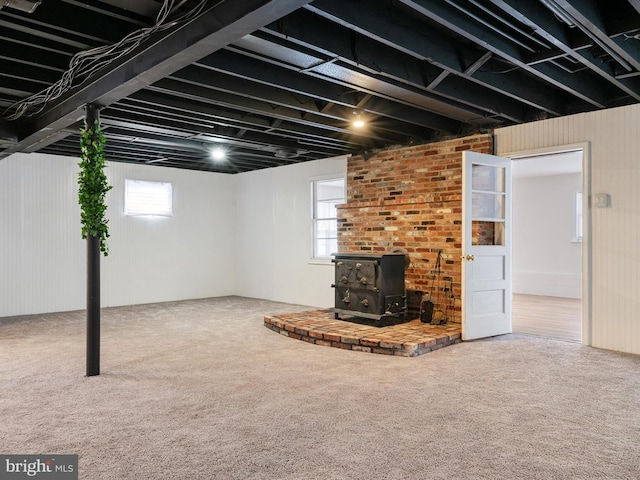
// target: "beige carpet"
[[202, 390]]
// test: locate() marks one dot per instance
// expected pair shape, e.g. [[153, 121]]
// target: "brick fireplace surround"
[[410, 197], [407, 197]]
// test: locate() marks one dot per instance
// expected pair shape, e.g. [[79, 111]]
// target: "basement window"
[[327, 194], [143, 198]]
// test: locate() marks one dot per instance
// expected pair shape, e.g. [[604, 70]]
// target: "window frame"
[[314, 182], [138, 210]]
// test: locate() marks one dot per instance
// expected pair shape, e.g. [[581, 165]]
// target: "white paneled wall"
[[41, 252], [43, 258], [615, 169], [273, 232], [188, 255], [247, 234]]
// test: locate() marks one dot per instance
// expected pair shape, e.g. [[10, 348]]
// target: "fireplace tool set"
[[441, 308]]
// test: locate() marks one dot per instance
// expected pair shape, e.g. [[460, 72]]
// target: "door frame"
[[587, 250]]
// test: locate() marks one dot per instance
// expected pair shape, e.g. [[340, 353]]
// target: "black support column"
[[93, 282]]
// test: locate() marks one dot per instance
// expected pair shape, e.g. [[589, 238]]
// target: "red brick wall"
[[410, 197]]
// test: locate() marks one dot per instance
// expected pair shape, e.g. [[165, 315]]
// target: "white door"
[[486, 259]]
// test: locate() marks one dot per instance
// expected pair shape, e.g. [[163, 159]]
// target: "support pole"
[[93, 282]]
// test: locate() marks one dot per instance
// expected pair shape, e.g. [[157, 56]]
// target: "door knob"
[[469, 258]]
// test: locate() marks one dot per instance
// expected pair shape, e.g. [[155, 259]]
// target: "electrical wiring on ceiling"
[[86, 63]]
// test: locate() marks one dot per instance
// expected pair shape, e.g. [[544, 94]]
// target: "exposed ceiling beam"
[[35, 73], [286, 129], [450, 17], [147, 8], [211, 124], [228, 100], [63, 17], [206, 131], [258, 82], [126, 151], [137, 127], [418, 70], [221, 24], [541, 21], [407, 37], [587, 17], [7, 137], [9, 48], [334, 54]]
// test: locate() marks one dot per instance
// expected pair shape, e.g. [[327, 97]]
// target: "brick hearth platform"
[[408, 339]]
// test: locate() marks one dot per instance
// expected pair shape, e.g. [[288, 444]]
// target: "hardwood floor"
[[551, 317]]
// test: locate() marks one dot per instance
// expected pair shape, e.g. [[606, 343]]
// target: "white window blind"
[[148, 198]]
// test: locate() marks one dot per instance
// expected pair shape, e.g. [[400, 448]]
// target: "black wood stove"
[[370, 286]]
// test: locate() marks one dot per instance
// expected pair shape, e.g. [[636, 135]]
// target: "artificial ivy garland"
[[93, 186]]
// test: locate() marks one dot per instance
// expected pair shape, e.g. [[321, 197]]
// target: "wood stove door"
[[486, 255], [357, 286]]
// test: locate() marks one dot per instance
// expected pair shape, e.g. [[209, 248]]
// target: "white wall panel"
[[41, 252], [273, 234], [43, 258], [188, 255], [254, 242], [614, 145]]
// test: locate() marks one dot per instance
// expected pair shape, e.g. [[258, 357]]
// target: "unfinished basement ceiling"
[[280, 82]]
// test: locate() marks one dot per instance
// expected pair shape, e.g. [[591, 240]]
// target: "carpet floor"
[[202, 390]]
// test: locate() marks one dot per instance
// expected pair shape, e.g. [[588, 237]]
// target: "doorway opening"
[[548, 225]]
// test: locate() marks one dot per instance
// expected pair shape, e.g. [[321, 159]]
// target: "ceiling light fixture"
[[218, 153], [28, 6], [358, 122], [286, 152]]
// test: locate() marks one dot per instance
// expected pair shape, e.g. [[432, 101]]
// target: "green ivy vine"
[[92, 185]]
